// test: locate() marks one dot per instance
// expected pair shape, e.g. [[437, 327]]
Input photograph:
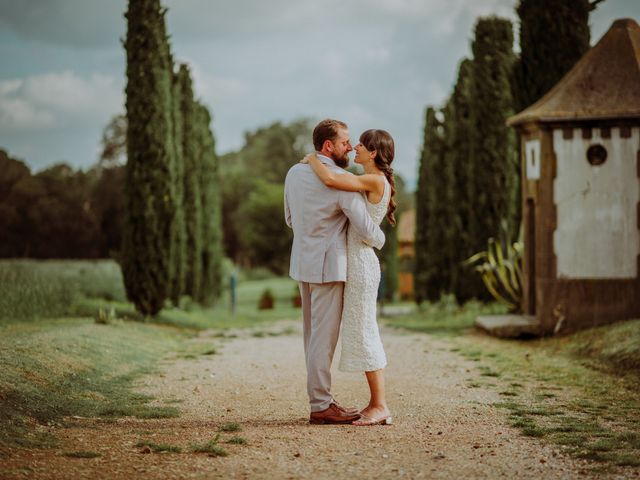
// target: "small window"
[[596, 154]]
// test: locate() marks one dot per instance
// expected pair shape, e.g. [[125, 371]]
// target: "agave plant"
[[501, 270]]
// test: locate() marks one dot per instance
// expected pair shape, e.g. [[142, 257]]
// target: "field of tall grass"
[[33, 290]]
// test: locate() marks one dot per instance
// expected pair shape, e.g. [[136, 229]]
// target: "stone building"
[[581, 190]]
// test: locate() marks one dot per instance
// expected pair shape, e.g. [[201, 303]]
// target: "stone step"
[[509, 326]]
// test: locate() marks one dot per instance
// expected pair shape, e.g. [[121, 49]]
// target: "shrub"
[[266, 300]]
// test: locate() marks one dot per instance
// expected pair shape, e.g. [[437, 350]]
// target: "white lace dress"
[[362, 349]]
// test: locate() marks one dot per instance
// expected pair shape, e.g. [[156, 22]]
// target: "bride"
[[362, 348]]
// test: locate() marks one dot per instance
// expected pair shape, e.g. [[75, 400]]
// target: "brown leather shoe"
[[332, 415], [349, 410]]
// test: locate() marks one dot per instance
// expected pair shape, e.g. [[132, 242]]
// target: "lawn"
[[71, 344]]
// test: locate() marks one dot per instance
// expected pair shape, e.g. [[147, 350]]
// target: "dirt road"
[[443, 428]]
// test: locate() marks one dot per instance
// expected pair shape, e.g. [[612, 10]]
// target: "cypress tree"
[[389, 259], [554, 34], [192, 161], [149, 202], [425, 275], [493, 153], [466, 284], [211, 212], [178, 233]]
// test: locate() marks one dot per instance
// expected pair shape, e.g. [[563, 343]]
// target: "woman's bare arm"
[[343, 181]]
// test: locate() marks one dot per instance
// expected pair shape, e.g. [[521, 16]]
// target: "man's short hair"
[[327, 129]]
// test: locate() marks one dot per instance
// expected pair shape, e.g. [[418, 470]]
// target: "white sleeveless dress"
[[362, 349]]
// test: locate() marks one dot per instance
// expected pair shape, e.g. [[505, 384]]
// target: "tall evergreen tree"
[[466, 284], [389, 259], [149, 189], [212, 250], [192, 161], [425, 275], [493, 153], [554, 34], [178, 232]]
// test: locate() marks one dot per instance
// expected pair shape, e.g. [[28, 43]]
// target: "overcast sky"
[[371, 63]]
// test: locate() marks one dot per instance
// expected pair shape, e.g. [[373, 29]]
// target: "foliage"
[[48, 214], [493, 153], [264, 235], [425, 274], [266, 300], [270, 151], [388, 257], [149, 185], [192, 158], [114, 142], [212, 252], [178, 266], [554, 34], [462, 225], [501, 270], [260, 166]]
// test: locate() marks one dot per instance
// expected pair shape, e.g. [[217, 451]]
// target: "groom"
[[319, 217]]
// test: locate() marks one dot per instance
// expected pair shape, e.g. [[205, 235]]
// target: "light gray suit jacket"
[[319, 217]]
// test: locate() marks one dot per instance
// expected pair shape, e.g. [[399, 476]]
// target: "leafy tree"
[[107, 205], [114, 142], [267, 155], [265, 237], [149, 186], [270, 151]]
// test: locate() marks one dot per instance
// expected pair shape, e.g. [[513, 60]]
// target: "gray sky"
[[371, 63]]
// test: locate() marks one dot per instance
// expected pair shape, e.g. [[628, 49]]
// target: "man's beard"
[[342, 162]]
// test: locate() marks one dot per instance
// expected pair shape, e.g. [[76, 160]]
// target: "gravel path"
[[443, 428]]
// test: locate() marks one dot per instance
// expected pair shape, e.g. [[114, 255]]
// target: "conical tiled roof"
[[604, 84]]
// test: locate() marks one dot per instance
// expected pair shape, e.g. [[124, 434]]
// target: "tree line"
[[61, 212], [469, 174]]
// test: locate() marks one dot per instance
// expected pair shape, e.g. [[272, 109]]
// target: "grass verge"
[[56, 368], [580, 392], [576, 392]]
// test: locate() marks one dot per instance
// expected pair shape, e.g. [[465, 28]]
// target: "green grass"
[[55, 368], [236, 440], [211, 447], [159, 447], [580, 392], [444, 318], [230, 427], [81, 454], [37, 289], [61, 357], [574, 391]]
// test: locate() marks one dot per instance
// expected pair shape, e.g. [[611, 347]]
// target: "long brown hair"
[[382, 143]]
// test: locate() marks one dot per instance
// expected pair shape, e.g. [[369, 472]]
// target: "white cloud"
[[57, 99]]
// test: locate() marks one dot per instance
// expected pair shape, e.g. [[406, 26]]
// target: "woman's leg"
[[376, 387], [377, 408]]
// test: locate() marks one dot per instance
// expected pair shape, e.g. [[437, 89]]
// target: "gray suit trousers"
[[321, 312]]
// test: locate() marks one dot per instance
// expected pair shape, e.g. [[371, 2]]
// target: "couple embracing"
[[335, 217]]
